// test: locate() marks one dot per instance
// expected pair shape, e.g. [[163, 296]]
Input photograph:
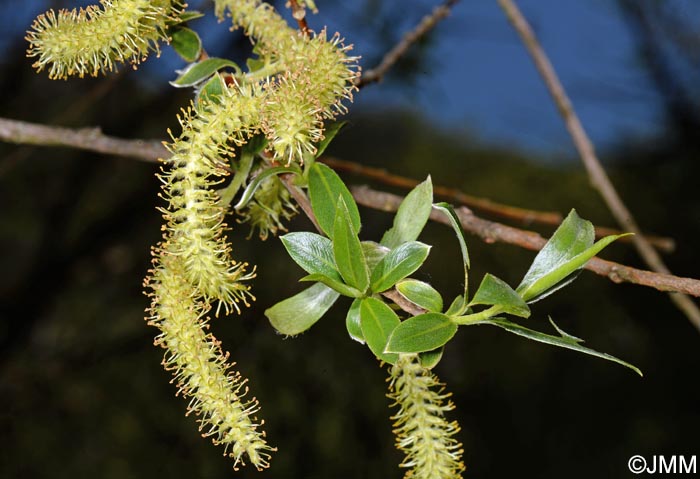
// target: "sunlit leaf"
[[347, 250], [494, 291], [374, 253], [313, 252], [252, 187], [352, 322], [298, 313], [420, 294], [398, 264], [447, 210], [378, 321], [411, 217], [325, 186], [568, 250], [198, 72], [186, 43], [424, 332]]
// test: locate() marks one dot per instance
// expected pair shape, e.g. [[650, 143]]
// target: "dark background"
[[82, 393]]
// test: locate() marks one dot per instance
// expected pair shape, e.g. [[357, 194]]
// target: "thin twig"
[[150, 150], [299, 14], [426, 24], [485, 205], [596, 173], [301, 199], [492, 232]]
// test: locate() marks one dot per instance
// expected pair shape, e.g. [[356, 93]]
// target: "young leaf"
[[374, 253], [569, 249], [458, 307], [420, 294], [298, 313], [424, 332], [186, 43], [430, 359], [411, 217], [227, 193], [448, 211], [378, 321], [347, 249], [249, 192], [324, 188], [198, 72], [328, 134], [313, 252], [397, 264], [496, 292], [564, 341], [189, 15], [352, 322], [333, 283]]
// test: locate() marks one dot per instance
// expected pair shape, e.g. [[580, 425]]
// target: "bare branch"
[[596, 173], [485, 205], [492, 232], [426, 24]]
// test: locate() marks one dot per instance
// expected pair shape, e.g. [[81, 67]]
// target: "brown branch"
[[492, 232], [484, 205], [426, 24], [299, 14], [596, 173], [90, 139]]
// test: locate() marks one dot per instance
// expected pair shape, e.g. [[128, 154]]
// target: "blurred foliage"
[[82, 392]]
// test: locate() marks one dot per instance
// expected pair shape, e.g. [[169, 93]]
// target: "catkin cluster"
[[92, 40], [422, 431]]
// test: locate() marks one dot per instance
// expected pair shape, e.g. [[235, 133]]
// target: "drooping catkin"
[[92, 40], [422, 432]]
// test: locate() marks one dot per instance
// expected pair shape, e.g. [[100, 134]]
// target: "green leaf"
[[568, 250], [352, 322], [347, 250], [563, 341], [333, 283], [378, 321], [186, 43], [430, 359], [324, 187], [298, 313], [313, 252], [457, 307], [420, 294], [328, 134], [447, 210], [211, 91], [198, 72], [397, 264], [189, 15], [374, 253], [249, 192], [254, 64], [411, 217], [496, 292], [424, 332], [244, 165]]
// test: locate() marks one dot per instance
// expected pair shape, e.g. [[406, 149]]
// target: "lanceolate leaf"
[[298, 313], [563, 341], [420, 294], [424, 332], [374, 253], [198, 72], [568, 250], [352, 322], [378, 321], [324, 188], [411, 217], [347, 250], [397, 264], [494, 291], [313, 252], [448, 211]]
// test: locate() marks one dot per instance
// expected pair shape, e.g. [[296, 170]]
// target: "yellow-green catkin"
[[422, 431], [93, 40], [200, 368]]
